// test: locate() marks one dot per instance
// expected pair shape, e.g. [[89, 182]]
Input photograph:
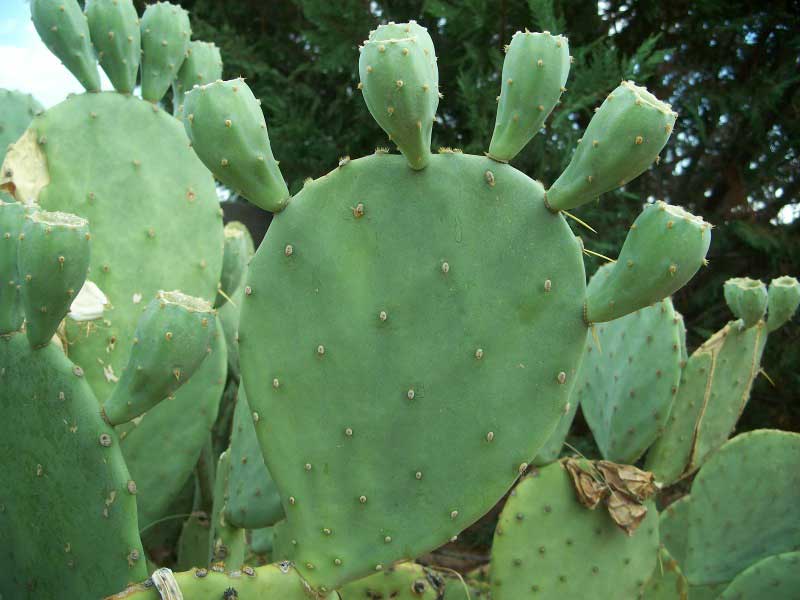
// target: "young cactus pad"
[[621, 142], [52, 261], [65, 31], [392, 326], [114, 28], [165, 43], [203, 65], [747, 299], [171, 340], [629, 377], [744, 506], [67, 503], [548, 545], [525, 101], [153, 209], [784, 297]]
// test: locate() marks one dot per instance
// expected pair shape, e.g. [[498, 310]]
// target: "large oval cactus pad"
[[152, 209], [386, 307], [67, 507]]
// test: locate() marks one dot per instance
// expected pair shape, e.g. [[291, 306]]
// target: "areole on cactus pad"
[[405, 311]]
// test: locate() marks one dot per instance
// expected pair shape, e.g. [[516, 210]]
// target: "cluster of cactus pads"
[[289, 424]]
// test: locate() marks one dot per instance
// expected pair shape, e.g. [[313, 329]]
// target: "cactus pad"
[[548, 545], [253, 500], [667, 581], [114, 27], [67, 503], [165, 32], [776, 577], [744, 506], [626, 384], [16, 112], [404, 581]]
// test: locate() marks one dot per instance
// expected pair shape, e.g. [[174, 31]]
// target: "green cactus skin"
[[400, 89], [227, 541], [114, 28], [664, 249], [271, 582], [162, 455], [715, 388], [52, 262], [552, 448], [67, 504], [673, 526], [776, 577], [203, 65], [667, 581], [165, 32], [451, 275], [411, 29], [253, 500], [548, 545], [744, 506], [98, 161], [451, 355], [228, 132], [193, 543], [784, 298], [171, 341], [238, 251], [535, 72], [229, 315], [12, 218], [260, 542], [63, 28], [626, 385], [16, 111], [404, 581], [669, 455], [622, 140], [747, 299]]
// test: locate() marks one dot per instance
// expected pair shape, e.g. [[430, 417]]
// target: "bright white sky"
[[26, 64]]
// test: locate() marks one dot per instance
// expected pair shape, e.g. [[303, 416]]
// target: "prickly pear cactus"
[[548, 545], [394, 316], [743, 506], [16, 112], [776, 577], [716, 382], [153, 207], [629, 378]]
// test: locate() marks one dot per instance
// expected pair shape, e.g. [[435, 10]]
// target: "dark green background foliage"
[[729, 67]]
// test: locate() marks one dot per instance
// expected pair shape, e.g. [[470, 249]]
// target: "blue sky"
[[26, 64]]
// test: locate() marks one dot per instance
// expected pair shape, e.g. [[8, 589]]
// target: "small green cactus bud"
[[12, 217], [114, 26], [534, 74], [63, 28], [622, 140], [228, 132], [53, 261], [165, 34], [747, 299], [663, 250], [399, 82], [171, 340], [784, 297]]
